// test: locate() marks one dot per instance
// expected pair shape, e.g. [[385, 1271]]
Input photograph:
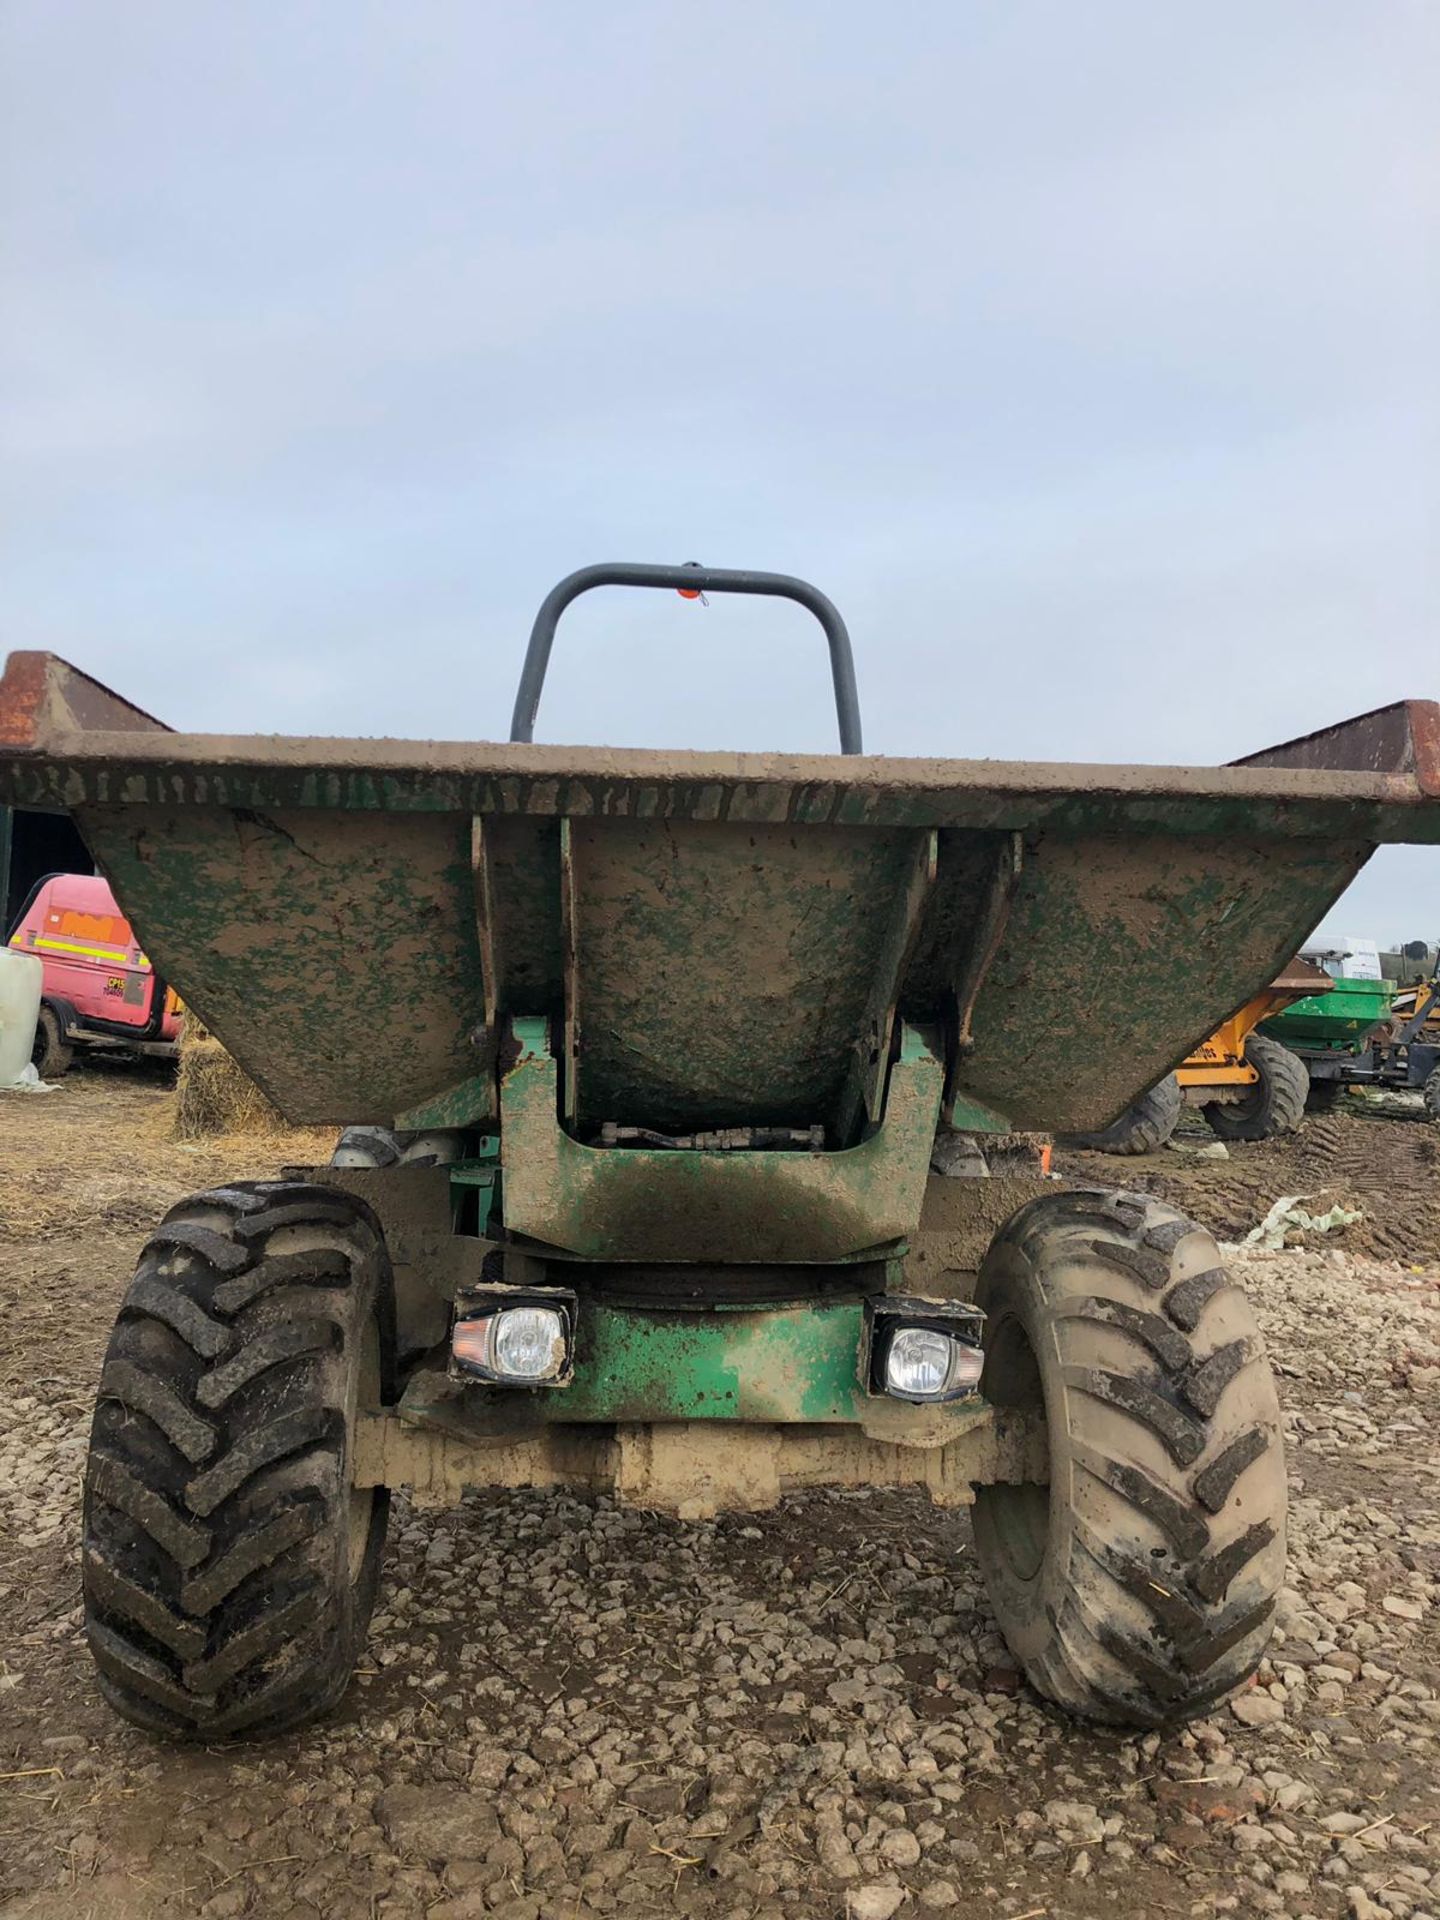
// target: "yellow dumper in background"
[[1247, 1085]]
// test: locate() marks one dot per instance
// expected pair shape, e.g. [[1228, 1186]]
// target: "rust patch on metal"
[[22, 693], [1425, 732], [1300, 979], [1401, 738], [94, 740], [42, 695]]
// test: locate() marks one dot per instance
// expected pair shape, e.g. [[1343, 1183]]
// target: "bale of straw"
[[213, 1095]]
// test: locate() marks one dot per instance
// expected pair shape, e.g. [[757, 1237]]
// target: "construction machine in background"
[[1366, 1035], [1247, 1084]]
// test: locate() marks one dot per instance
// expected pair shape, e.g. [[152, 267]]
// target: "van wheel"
[[230, 1561], [1138, 1587], [51, 1055]]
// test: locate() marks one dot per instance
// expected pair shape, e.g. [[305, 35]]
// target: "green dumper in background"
[[1348, 1037], [1341, 1018]]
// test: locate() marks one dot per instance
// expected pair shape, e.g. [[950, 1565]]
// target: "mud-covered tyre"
[[1138, 1588], [1275, 1104], [51, 1055], [1432, 1095], [230, 1564], [1145, 1125]]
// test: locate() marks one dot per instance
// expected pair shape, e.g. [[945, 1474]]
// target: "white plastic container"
[[21, 975]]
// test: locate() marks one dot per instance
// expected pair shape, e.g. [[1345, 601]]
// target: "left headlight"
[[510, 1342]]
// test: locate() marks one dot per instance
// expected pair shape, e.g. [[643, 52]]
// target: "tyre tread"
[[216, 1506], [1145, 1125], [1275, 1104], [1175, 1554]]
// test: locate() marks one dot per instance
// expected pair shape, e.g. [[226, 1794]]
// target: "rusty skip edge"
[[43, 698], [71, 742], [748, 789]]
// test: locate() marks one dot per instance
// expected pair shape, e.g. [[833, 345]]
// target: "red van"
[[99, 989]]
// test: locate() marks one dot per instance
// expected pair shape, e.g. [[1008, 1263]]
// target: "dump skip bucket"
[[719, 941]]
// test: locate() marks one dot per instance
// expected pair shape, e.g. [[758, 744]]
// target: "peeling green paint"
[[465, 1105], [796, 1364], [973, 1116]]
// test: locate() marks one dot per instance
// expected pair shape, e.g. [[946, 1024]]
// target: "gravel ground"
[[568, 1710]]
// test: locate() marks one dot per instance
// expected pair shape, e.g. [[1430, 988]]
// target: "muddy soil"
[[566, 1710], [1382, 1161]]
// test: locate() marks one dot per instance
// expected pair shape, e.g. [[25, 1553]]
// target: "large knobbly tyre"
[[230, 1566], [1432, 1095], [1275, 1104], [1139, 1587], [1144, 1126]]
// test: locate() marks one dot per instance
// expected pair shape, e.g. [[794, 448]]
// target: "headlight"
[[512, 1342], [924, 1350], [921, 1364]]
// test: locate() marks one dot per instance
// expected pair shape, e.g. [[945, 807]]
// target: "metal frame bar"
[[687, 579], [639, 1204], [707, 1467]]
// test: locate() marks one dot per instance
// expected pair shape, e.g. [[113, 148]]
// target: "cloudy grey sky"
[[1086, 356]]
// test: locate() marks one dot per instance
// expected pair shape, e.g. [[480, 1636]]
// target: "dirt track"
[[568, 1710], [1385, 1165]]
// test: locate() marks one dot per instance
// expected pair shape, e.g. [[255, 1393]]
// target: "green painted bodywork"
[[781, 1364], [1162, 924], [479, 1176], [347, 961], [466, 1104], [659, 1204], [343, 958], [793, 1368], [1339, 1021], [968, 1115], [787, 1366], [559, 946], [751, 953]]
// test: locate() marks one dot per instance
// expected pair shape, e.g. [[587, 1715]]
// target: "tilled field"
[[568, 1710], [1384, 1164]]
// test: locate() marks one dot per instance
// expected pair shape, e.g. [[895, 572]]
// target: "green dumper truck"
[[644, 1057], [1349, 1038]]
